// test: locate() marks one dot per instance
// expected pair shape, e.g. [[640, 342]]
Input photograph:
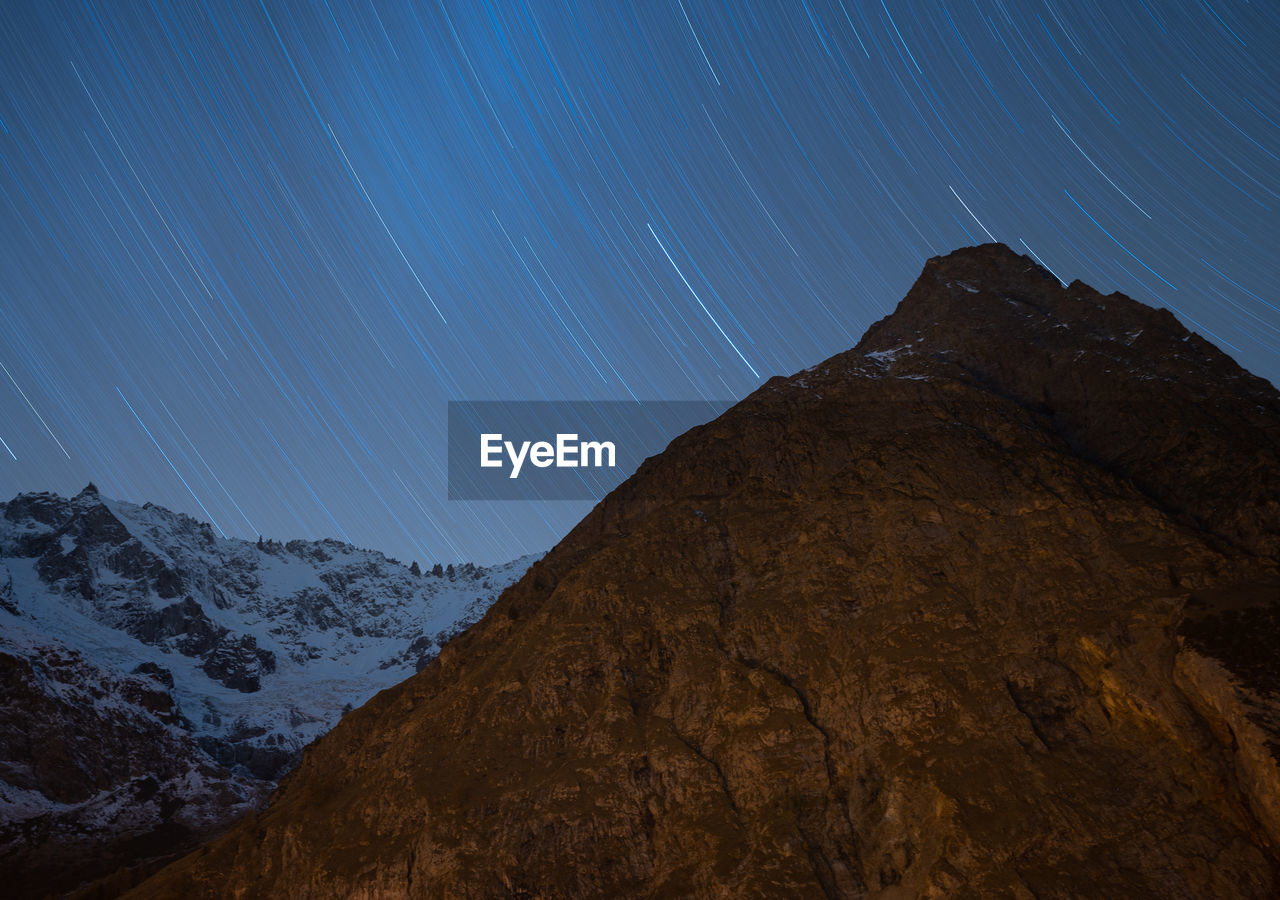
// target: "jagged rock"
[[239, 663], [6, 591], [957, 613], [156, 672], [94, 774], [195, 632], [120, 629]]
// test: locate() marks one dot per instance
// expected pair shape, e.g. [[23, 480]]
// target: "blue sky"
[[251, 250]]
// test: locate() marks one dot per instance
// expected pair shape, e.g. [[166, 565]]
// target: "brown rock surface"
[[94, 775], [983, 607]]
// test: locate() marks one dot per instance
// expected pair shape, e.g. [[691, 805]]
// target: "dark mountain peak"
[[90, 490], [39, 506], [983, 607], [1124, 384], [994, 263], [988, 297]]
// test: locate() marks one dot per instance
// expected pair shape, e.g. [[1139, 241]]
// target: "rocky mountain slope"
[[985, 606], [155, 679]]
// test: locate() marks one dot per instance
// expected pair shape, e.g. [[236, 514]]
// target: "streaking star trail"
[[286, 235]]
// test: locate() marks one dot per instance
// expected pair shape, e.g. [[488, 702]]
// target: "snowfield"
[[206, 664]]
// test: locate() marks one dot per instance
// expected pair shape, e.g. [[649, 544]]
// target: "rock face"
[[99, 772], [156, 680], [985, 606]]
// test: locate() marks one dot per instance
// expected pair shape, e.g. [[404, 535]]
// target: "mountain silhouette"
[[985, 606]]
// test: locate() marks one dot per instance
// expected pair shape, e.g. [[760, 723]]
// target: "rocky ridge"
[[158, 679], [985, 606]]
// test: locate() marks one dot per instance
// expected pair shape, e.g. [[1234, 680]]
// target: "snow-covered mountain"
[[157, 679]]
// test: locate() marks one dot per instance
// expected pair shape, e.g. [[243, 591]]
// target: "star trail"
[[252, 249]]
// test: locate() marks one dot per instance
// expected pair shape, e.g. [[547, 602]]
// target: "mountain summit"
[[985, 606]]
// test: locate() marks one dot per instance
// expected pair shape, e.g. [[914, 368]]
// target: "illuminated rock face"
[[983, 607]]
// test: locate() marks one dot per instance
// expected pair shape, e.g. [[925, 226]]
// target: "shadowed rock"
[[978, 608]]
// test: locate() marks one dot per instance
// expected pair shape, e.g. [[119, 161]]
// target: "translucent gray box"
[[579, 436]]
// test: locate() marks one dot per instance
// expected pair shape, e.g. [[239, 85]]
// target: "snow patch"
[[342, 623], [883, 358]]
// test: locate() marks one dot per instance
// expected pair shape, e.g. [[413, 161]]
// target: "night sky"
[[250, 250]]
